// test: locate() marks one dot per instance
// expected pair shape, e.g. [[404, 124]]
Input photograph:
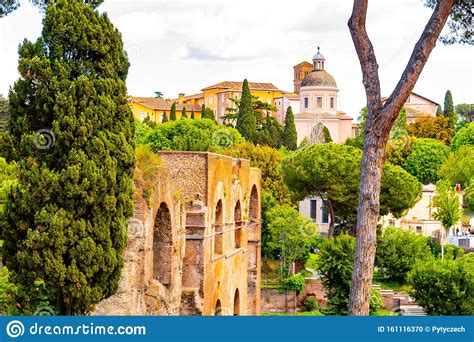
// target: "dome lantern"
[[318, 61]]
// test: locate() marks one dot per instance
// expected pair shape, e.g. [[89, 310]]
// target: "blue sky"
[[183, 46]]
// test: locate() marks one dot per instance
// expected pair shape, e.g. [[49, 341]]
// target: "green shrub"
[[295, 283], [376, 301], [397, 252], [443, 287], [191, 135], [335, 264], [465, 136], [311, 303]]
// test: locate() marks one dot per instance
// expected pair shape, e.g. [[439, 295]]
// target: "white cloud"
[[185, 45]]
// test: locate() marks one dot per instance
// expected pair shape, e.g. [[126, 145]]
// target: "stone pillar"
[[253, 268]]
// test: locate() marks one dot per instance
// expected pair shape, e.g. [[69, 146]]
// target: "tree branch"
[[417, 61], [366, 54]]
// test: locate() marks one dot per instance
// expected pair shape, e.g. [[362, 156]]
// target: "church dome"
[[319, 78]]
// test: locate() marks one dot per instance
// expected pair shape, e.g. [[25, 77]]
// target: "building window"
[[312, 209], [419, 230], [319, 102], [325, 215], [391, 222], [331, 102], [306, 102]]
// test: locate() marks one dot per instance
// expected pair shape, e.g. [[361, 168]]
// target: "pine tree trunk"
[[380, 119], [367, 217]]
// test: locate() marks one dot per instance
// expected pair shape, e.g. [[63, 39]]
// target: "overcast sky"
[[183, 46]]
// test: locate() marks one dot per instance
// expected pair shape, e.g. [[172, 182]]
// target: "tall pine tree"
[[183, 113], [64, 226], [289, 133], [246, 120], [449, 109], [173, 112]]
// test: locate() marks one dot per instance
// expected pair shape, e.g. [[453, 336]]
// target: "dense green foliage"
[[432, 127], [397, 252], [7, 6], [447, 204], [270, 133], [207, 113], [63, 226], [448, 110], [268, 160], [173, 112], [289, 133], [459, 22], [246, 120], [332, 172], [465, 111], [465, 136], [469, 195], [398, 150], [290, 235], [8, 178], [335, 265], [444, 286], [191, 135], [458, 168], [425, 159]]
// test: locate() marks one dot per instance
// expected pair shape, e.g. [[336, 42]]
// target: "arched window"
[[218, 228], [217, 309], [238, 225], [237, 303], [162, 245], [253, 205]]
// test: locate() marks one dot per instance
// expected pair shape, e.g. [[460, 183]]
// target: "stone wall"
[[276, 301], [194, 246]]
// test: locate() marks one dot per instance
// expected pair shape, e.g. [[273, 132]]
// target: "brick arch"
[[162, 245], [237, 311], [254, 204]]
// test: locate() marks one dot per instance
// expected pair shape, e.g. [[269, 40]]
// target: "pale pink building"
[[318, 97]]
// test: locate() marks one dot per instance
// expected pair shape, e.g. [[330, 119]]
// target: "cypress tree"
[[207, 113], [203, 108], [64, 226], [439, 111], [164, 118], [289, 133], [449, 109], [246, 120], [183, 113], [173, 112], [192, 114]]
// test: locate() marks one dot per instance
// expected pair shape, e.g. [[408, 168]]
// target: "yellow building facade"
[[155, 108], [216, 97]]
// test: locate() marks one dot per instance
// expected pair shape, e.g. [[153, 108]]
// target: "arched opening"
[[238, 225], [237, 303], [253, 205], [218, 223], [162, 245], [217, 309]]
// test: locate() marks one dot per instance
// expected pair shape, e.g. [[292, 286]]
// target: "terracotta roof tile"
[[238, 85], [159, 104]]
